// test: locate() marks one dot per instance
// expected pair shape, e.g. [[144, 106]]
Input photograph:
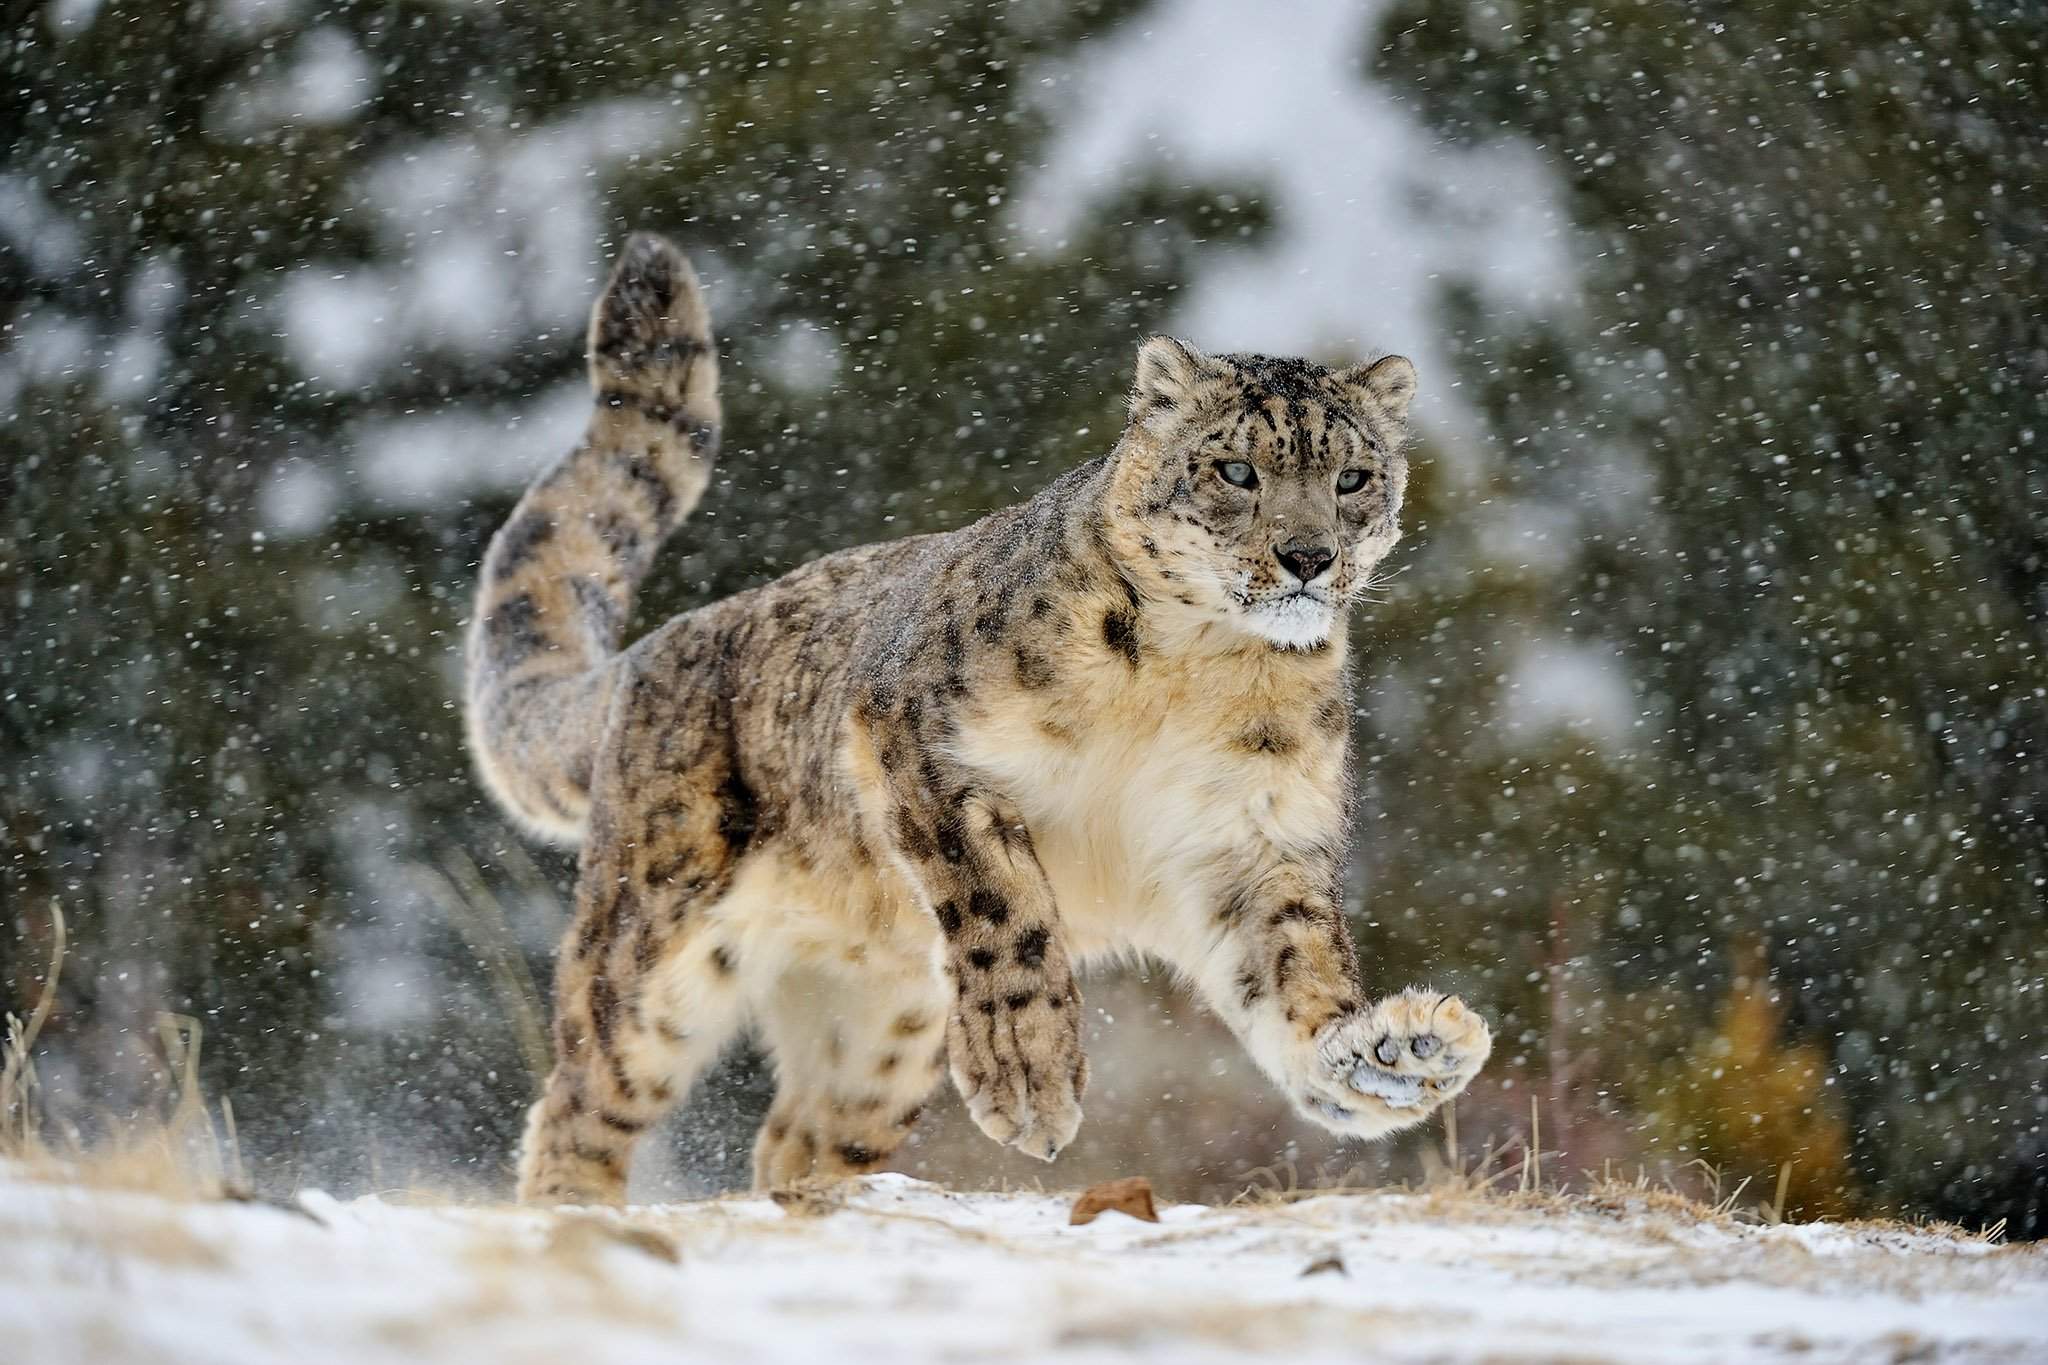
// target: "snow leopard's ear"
[[1385, 386], [1169, 372]]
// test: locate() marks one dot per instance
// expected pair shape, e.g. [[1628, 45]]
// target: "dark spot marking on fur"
[[1018, 1001], [603, 1157], [601, 613], [1032, 944], [911, 835], [910, 1116], [981, 958], [1331, 717], [619, 1122], [1250, 989], [1040, 607], [623, 1082], [663, 871], [954, 647], [854, 1154], [646, 945], [778, 1129], [579, 770], [888, 1063], [520, 541], [1267, 737], [653, 485], [1296, 910], [679, 417], [739, 813], [620, 536], [1034, 670], [950, 834], [988, 905], [909, 1025], [604, 1004], [950, 918], [987, 1007], [1120, 633], [1283, 966], [1237, 904], [513, 632], [661, 817], [723, 959]]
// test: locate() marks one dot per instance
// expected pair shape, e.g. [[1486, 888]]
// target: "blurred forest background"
[[1703, 741]]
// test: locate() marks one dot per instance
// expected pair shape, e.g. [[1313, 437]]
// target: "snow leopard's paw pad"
[[1391, 1065], [1018, 1064]]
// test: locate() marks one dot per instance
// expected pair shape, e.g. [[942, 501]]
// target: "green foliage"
[[1810, 240]]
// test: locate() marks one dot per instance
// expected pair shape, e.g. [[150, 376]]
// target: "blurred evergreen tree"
[[228, 656], [1813, 240]]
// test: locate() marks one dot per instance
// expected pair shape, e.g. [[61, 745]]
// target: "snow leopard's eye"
[[1351, 480], [1238, 472]]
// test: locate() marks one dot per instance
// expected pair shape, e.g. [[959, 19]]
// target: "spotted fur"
[[880, 808]]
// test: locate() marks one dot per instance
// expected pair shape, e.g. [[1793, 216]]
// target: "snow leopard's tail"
[[559, 578]]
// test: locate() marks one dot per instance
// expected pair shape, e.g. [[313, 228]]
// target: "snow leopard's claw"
[[1021, 1071], [1044, 1146]]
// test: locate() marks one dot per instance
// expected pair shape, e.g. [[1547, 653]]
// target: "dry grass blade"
[[1774, 1212], [480, 918], [19, 1123]]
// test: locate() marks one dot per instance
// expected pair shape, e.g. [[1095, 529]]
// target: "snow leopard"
[[879, 810]]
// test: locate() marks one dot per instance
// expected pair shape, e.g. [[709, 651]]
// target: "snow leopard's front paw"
[[1018, 1064], [1390, 1066]]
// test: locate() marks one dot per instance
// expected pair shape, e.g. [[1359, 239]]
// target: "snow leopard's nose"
[[1304, 560]]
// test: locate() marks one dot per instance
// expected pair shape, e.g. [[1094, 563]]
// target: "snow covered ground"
[[895, 1269]]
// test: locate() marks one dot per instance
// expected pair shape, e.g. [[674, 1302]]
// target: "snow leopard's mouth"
[[1300, 599], [1298, 619]]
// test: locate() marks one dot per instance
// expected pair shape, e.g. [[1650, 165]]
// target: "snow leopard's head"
[[1264, 490]]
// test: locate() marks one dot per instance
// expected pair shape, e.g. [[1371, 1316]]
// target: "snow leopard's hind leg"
[[558, 580], [857, 1050], [651, 982]]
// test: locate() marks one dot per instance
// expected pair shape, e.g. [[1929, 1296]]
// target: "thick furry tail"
[[559, 578]]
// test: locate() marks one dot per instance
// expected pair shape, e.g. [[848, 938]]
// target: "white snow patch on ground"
[[893, 1268]]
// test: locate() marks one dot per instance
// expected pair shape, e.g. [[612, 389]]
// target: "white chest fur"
[[1147, 795]]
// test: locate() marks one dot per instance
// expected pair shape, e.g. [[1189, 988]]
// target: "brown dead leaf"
[[1132, 1195]]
